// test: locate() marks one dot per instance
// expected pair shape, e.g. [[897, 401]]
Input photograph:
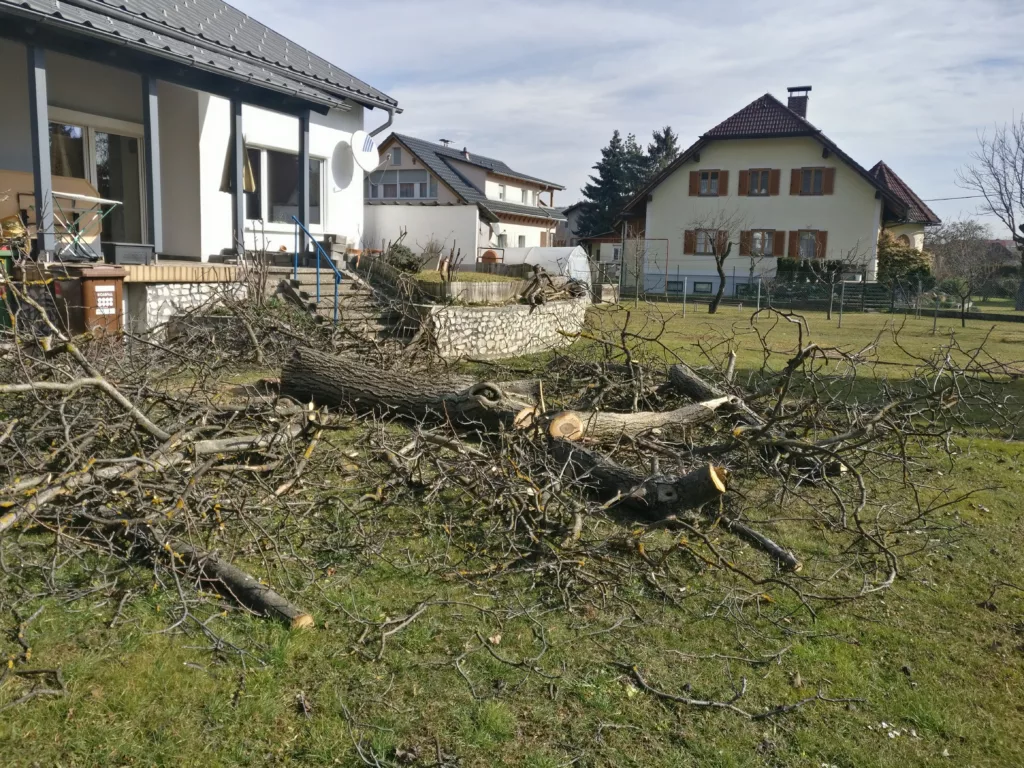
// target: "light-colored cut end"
[[718, 476], [526, 418], [566, 426], [303, 621]]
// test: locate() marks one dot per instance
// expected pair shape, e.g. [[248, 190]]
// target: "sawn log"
[[604, 426]]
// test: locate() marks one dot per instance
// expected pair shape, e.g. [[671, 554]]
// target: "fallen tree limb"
[[609, 427], [690, 383], [656, 496], [328, 380]]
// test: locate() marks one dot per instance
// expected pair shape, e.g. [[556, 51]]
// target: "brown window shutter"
[[744, 183], [722, 242], [694, 183], [689, 241], [723, 183], [822, 245], [794, 244], [774, 179], [543, 239], [744, 242], [828, 184], [794, 181]]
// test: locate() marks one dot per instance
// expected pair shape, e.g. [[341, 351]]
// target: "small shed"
[[570, 262]]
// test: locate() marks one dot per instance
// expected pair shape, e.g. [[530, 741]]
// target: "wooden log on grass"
[[655, 496], [604, 426], [329, 380], [690, 383]]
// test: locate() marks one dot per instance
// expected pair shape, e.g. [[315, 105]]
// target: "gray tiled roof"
[[437, 157], [209, 35]]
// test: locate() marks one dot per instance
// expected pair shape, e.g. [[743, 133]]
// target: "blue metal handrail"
[[321, 254]]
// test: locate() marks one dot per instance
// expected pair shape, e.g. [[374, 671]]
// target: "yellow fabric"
[[248, 177]]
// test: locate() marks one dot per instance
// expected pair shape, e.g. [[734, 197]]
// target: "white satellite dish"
[[496, 228], [364, 151]]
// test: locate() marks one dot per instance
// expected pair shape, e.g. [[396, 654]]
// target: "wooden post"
[[303, 177], [151, 130], [42, 174], [237, 178]]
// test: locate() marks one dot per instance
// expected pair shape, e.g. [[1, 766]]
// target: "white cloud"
[[543, 84]]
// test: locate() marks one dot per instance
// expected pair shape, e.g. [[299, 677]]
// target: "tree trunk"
[[831, 300], [1018, 304], [328, 380], [691, 384], [655, 497], [610, 427], [713, 307]]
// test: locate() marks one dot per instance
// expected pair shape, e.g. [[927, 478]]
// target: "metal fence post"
[[842, 301], [685, 281]]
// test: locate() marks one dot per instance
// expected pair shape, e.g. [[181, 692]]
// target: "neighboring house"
[[786, 190], [452, 197], [173, 109], [567, 233]]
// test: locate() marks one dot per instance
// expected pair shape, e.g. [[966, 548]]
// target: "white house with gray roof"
[[206, 128], [456, 197]]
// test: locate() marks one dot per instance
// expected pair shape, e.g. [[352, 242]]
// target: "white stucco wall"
[[530, 232], [450, 224], [513, 191], [850, 216], [342, 202]]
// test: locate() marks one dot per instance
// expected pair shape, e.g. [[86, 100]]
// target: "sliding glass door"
[[112, 163]]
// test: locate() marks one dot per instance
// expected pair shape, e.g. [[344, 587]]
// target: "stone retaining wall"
[[507, 331], [151, 305]]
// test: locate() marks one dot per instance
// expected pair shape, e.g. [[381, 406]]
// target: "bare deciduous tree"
[[964, 258], [714, 235], [832, 272], [997, 174]]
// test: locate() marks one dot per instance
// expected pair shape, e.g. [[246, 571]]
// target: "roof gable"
[[766, 116], [210, 34], [917, 211], [441, 165]]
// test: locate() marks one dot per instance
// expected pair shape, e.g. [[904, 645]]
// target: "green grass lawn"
[[889, 341], [938, 660]]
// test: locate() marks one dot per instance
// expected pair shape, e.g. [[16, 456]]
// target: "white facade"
[[851, 215], [194, 138], [451, 225]]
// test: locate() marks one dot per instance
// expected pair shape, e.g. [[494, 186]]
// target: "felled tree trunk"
[[327, 380], [603, 426], [655, 496], [690, 383]]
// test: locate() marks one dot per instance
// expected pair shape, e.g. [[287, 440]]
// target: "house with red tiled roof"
[[771, 184]]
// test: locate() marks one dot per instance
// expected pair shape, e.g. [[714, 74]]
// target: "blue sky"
[[542, 85]]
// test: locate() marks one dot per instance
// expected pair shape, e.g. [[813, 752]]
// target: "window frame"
[[521, 241], [765, 236], [263, 190], [712, 176], [709, 235], [396, 157], [698, 290], [503, 240], [816, 183], [813, 235], [502, 191], [760, 173]]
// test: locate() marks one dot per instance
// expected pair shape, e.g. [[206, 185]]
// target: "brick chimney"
[[798, 99]]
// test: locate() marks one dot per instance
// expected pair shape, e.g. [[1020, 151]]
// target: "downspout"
[[387, 124]]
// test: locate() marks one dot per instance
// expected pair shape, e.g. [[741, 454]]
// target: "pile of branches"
[[129, 466]]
